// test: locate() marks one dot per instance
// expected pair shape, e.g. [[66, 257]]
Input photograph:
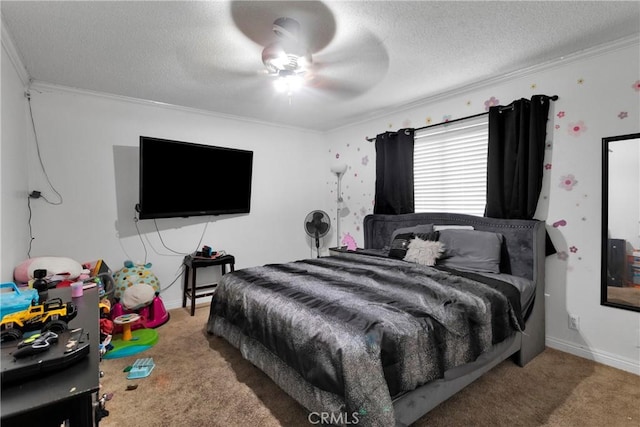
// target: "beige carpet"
[[203, 381]]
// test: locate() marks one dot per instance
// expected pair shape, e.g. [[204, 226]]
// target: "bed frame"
[[523, 255]]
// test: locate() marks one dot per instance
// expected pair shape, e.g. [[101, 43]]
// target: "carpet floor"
[[199, 380]]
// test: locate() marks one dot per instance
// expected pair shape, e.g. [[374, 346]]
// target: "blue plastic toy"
[[14, 299]]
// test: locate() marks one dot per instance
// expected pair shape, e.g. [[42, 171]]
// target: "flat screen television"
[[182, 179]]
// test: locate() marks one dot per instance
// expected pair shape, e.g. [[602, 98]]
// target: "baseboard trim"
[[599, 356], [177, 303]]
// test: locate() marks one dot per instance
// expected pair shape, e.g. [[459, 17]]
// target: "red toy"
[[151, 316]]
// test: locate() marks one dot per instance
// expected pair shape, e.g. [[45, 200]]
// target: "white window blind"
[[450, 167]]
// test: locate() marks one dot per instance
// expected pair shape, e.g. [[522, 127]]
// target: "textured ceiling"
[[368, 56]]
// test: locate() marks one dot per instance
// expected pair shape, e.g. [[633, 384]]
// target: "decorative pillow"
[[471, 250], [432, 235], [424, 252], [421, 228], [399, 245]]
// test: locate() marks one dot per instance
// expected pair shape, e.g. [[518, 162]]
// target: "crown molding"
[[591, 52], [42, 86], [9, 46]]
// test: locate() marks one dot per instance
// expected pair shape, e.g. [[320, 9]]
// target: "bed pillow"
[[399, 245], [471, 250], [424, 252], [440, 227], [416, 229]]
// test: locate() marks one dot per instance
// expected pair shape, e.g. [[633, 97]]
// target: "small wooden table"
[[191, 264]]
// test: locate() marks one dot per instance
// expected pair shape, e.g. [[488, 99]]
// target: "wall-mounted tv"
[[182, 179]]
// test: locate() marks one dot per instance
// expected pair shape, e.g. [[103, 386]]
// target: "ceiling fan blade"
[[255, 20], [350, 68]]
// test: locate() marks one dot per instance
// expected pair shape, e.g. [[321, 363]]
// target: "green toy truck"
[[52, 315]]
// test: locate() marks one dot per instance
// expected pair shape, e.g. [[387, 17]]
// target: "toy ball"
[[135, 285]]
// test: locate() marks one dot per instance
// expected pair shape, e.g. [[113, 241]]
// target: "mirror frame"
[[605, 222]]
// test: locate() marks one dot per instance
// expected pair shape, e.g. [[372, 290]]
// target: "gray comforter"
[[365, 329]]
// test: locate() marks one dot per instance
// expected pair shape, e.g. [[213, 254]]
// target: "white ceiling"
[[368, 56]]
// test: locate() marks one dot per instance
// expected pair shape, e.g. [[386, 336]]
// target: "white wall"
[[595, 88], [89, 146], [13, 171]]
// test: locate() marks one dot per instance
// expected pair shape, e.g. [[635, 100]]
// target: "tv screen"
[[181, 179]]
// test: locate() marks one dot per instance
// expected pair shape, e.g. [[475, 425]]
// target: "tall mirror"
[[621, 222]]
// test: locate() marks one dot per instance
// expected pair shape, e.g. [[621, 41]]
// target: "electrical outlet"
[[574, 322]]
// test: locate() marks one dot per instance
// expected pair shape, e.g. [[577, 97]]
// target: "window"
[[450, 167]]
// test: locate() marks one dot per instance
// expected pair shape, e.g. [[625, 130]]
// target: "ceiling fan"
[[302, 46], [287, 58]]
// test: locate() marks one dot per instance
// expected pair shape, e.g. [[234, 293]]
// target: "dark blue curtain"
[[517, 138], [394, 172]]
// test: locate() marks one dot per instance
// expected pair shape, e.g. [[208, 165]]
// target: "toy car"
[[14, 298], [52, 315]]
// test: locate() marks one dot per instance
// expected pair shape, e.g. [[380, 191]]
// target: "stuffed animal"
[[350, 242], [135, 285]]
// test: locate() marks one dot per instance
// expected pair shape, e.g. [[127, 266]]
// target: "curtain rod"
[[553, 98]]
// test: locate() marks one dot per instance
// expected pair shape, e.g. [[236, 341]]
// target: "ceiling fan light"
[[280, 84], [288, 82], [285, 56], [295, 81]]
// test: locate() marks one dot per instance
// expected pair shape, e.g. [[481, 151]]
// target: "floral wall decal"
[[568, 182], [491, 102], [560, 223], [560, 114], [577, 128], [623, 115], [365, 161], [636, 86]]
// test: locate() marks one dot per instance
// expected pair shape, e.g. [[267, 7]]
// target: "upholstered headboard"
[[523, 250]]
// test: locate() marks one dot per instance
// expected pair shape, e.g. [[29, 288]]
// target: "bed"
[[362, 337]]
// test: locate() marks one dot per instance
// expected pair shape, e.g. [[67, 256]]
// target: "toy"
[[55, 266], [350, 242], [137, 290], [52, 315], [35, 344], [13, 298], [135, 285]]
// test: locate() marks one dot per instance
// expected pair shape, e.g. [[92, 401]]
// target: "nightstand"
[[191, 264]]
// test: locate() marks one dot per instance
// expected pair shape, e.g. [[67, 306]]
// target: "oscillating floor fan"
[[317, 225]]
